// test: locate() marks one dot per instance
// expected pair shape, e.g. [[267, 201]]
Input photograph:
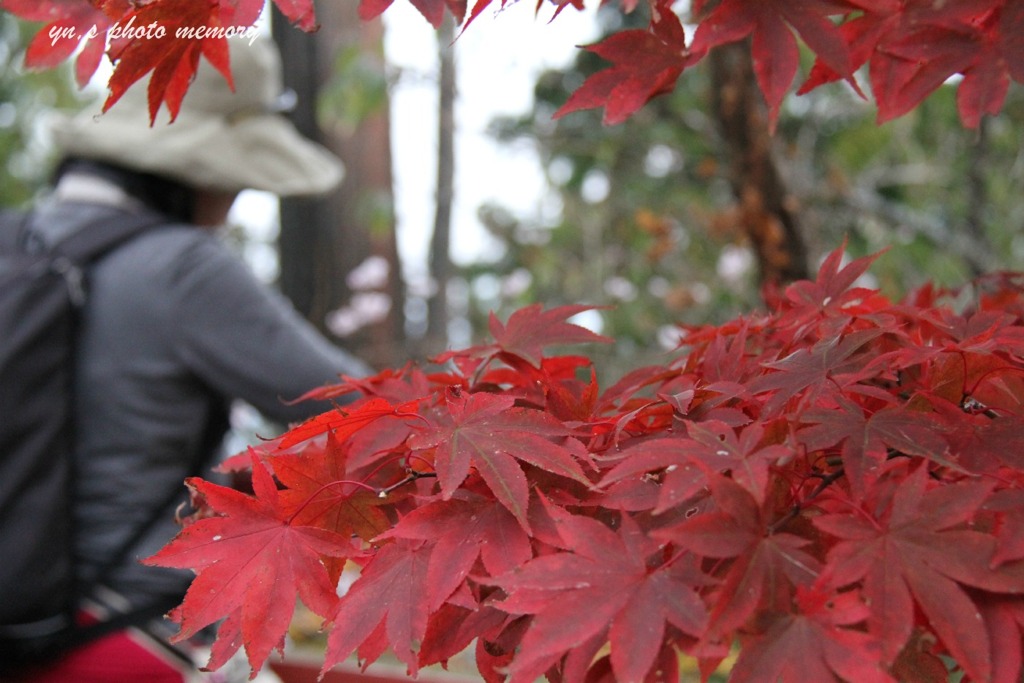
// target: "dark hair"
[[170, 197]]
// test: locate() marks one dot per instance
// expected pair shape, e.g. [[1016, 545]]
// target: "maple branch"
[[968, 393], [395, 458], [413, 476], [418, 457], [323, 488], [380, 493], [826, 481]]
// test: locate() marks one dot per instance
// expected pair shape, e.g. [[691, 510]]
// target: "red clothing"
[[123, 657]]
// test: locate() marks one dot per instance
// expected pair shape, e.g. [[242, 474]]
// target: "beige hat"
[[220, 140]]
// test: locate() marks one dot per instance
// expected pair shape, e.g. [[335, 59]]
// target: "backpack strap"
[[12, 226], [69, 256], [100, 236], [139, 615], [84, 246]]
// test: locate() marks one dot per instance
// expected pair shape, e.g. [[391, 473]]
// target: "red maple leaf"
[[1011, 38], [342, 422], [507, 543], [813, 644], [867, 438], [566, 397], [1007, 508], [531, 329], [316, 493], [979, 443], [683, 463], [252, 558], [462, 530], [300, 12], [242, 12], [556, 385], [926, 43], [914, 47], [319, 493], [932, 55], [521, 342], [979, 340], [910, 550], [486, 433], [645, 63], [394, 384], [69, 24], [767, 566], [229, 640], [674, 459], [832, 290], [725, 354], [824, 369], [172, 60], [745, 457], [1004, 617], [385, 605], [432, 10], [774, 47], [605, 585], [452, 629], [861, 35]]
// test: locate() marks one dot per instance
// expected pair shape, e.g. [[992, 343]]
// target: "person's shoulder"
[[54, 222], [174, 230], [165, 256], [175, 240]]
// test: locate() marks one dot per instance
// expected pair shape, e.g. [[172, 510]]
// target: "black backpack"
[[41, 293]]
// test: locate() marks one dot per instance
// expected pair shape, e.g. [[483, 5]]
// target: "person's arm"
[[247, 342]]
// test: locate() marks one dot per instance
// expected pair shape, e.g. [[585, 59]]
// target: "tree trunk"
[[322, 240], [766, 211], [436, 337]]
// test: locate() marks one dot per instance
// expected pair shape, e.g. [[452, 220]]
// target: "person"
[[175, 328]]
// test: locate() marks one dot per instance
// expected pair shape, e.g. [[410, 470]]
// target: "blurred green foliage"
[[26, 98], [356, 89], [641, 218]]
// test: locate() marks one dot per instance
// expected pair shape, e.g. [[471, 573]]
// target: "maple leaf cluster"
[[834, 489], [906, 48]]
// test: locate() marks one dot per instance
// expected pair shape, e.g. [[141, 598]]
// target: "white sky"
[[497, 61]]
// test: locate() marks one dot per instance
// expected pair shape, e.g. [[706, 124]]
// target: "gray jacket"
[[175, 327]]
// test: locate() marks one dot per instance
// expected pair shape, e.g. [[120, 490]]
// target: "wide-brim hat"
[[221, 139]]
